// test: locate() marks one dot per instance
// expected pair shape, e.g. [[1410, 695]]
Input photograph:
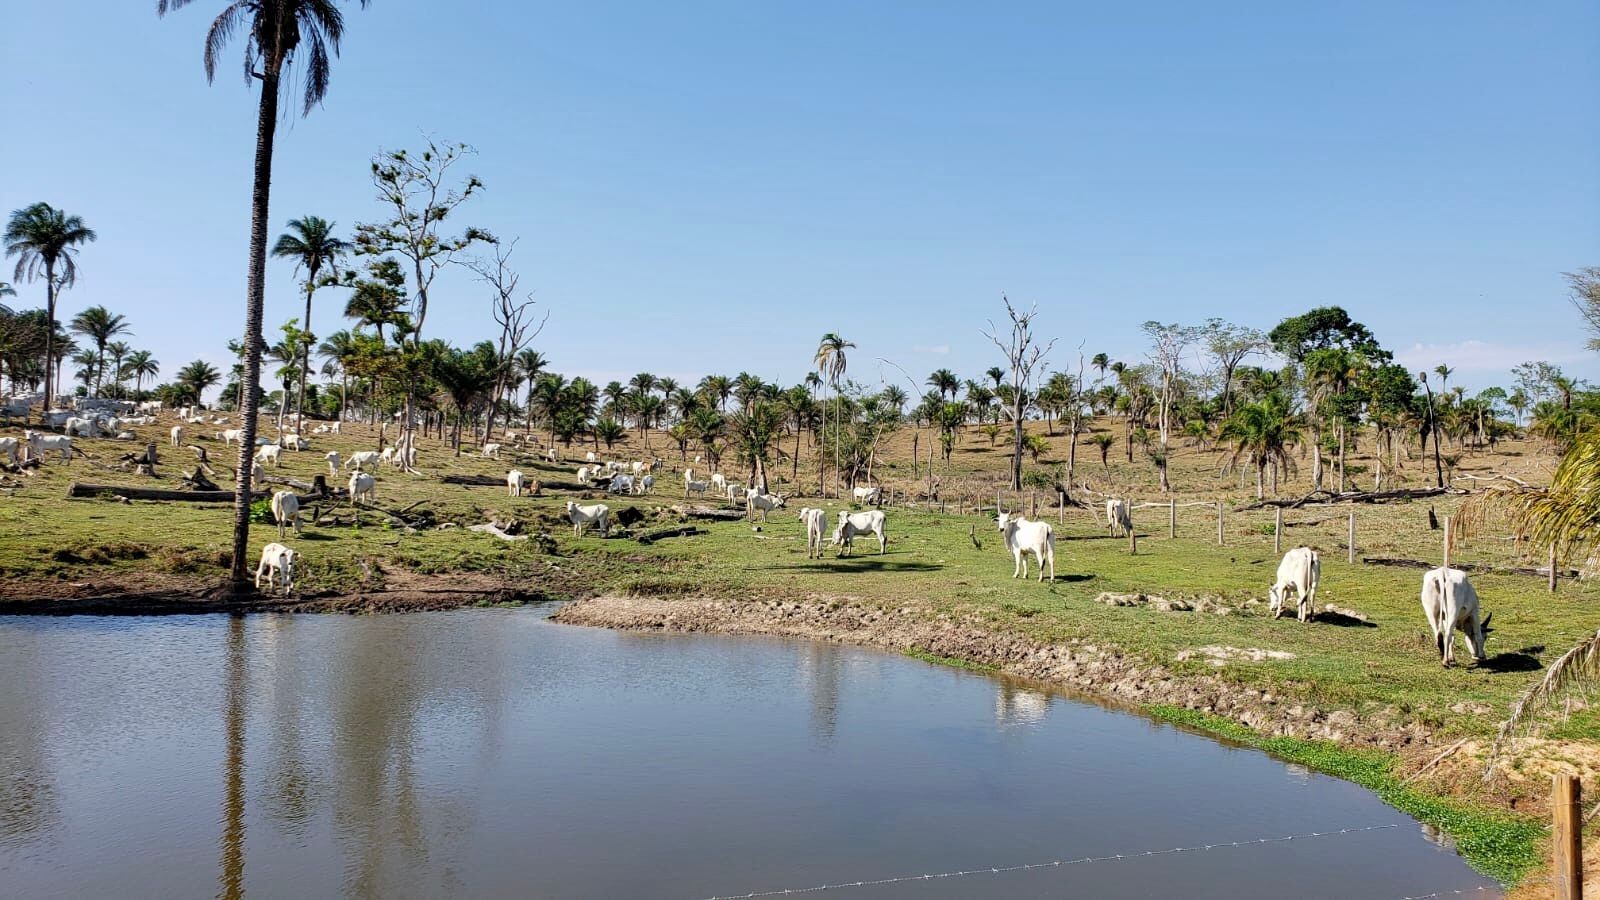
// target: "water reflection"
[[29, 807], [290, 785], [820, 669], [231, 880], [1015, 705]]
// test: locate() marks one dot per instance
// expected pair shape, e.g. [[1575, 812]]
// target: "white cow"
[[637, 467], [276, 568], [292, 441], [695, 487], [1451, 604], [719, 482], [39, 444], [814, 520], [177, 435], [1119, 518], [736, 492], [763, 503], [1023, 537], [491, 451], [621, 484], [550, 455], [872, 495], [1300, 569], [332, 456], [644, 484], [589, 457], [597, 514], [516, 483], [9, 447], [584, 472], [363, 488], [386, 458], [337, 428], [80, 427], [229, 436], [270, 453], [286, 510], [851, 524], [361, 459]]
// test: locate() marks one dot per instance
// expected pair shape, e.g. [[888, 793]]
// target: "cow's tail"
[[1440, 623]]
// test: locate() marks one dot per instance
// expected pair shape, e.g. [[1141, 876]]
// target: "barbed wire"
[[1460, 892], [1056, 863]]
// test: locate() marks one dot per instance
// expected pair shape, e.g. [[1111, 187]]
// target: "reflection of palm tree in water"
[[29, 809], [231, 882], [822, 677], [290, 787]]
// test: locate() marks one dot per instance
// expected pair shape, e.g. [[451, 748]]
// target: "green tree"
[[1102, 440], [99, 325], [280, 32], [831, 364], [45, 241], [196, 378], [609, 430], [141, 365], [754, 433], [1262, 434], [117, 352], [311, 243]]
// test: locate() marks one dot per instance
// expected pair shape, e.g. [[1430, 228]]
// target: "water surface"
[[491, 753]]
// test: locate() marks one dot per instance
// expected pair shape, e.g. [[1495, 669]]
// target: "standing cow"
[[1450, 604], [1300, 570]]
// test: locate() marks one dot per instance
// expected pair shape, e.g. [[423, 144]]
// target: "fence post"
[[1566, 804], [1351, 540], [1219, 523], [1033, 504], [1172, 518], [1277, 529], [1447, 542], [1061, 508], [1552, 568], [1133, 542]]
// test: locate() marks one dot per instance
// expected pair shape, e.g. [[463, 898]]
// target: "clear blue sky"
[[710, 186]]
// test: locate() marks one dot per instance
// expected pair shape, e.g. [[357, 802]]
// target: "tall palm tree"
[[831, 365], [1262, 433], [196, 378], [529, 365], [945, 382], [46, 240], [1101, 363], [310, 242], [1444, 372], [716, 389], [338, 350], [118, 352], [278, 29], [142, 365], [99, 325]]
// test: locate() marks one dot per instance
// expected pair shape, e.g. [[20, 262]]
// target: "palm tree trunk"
[[1341, 457], [255, 290], [49, 329], [1316, 458], [1260, 473], [305, 348]]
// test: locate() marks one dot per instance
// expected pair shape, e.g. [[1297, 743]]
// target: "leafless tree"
[[1230, 345], [1024, 356], [1168, 342], [512, 313]]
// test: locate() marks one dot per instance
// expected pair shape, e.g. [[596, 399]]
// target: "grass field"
[[1384, 668]]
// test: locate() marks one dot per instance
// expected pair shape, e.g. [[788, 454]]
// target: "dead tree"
[[514, 317], [1024, 355]]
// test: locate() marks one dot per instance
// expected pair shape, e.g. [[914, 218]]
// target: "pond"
[[492, 753]]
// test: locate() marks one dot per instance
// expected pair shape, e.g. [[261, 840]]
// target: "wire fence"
[[1059, 863]]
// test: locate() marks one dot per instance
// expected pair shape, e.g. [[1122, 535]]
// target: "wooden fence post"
[[1552, 568], [1447, 542], [1033, 504], [1061, 508], [1219, 523], [1172, 518], [1133, 542], [1277, 529], [1351, 539], [1566, 805]]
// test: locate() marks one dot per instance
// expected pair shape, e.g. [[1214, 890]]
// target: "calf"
[[852, 524], [763, 503], [597, 514], [276, 568], [362, 459], [286, 511], [516, 483], [1023, 537], [1300, 570], [814, 520], [363, 489], [231, 435], [177, 435], [1119, 518], [491, 451], [1450, 604], [270, 453], [332, 456]]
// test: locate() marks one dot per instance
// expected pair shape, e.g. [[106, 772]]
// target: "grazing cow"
[[814, 520], [1300, 569], [550, 455], [336, 428], [621, 484], [719, 482], [361, 459], [386, 458], [637, 467], [584, 473], [737, 492], [644, 484], [852, 524], [292, 441], [177, 435], [229, 436], [286, 511], [39, 444], [332, 456], [363, 488], [8, 448], [596, 514], [1023, 537], [80, 427], [276, 568], [269, 453], [491, 451], [516, 483], [589, 457], [695, 487], [764, 503], [1451, 604], [872, 495], [1119, 518]]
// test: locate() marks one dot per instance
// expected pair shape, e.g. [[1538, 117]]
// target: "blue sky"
[[711, 186]]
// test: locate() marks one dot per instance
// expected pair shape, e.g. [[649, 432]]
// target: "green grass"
[[951, 661], [1503, 846]]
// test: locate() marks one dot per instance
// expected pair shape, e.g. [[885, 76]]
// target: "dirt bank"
[[1077, 665], [150, 594]]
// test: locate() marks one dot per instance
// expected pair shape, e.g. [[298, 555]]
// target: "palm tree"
[[99, 325], [118, 351], [996, 375], [716, 389], [831, 364], [754, 432], [142, 365], [310, 242], [530, 363], [1101, 362], [196, 378], [1444, 372], [1103, 440], [46, 239], [945, 382], [277, 29], [338, 351], [1262, 433], [609, 430]]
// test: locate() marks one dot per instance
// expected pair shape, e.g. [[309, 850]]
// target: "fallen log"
[[650, 537], [80, 489], [706, 512], [1467, 567], [1320, 497], [474, 480]]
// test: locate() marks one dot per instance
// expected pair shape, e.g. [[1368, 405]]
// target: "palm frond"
[[1576, 672]]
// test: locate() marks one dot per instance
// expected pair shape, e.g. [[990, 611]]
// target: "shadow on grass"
[[316, 536], [863, 564], [1342, 620], [1515, 661]]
